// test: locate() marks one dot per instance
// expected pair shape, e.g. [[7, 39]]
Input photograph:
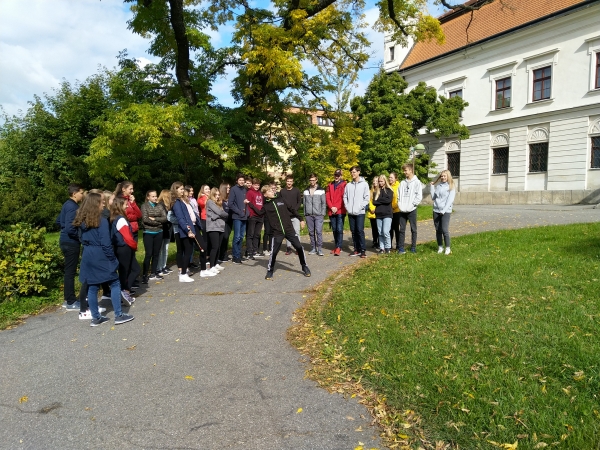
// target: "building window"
[[324, 121], [457, 93], [538, 157], [454, 164], [542, 79], [597, 70], [596, 152], [503, 93], [500, 160], [392, 53]]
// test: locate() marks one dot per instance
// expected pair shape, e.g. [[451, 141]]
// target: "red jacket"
[[335, 197], [133, 213], [202, 206], [256, 198]]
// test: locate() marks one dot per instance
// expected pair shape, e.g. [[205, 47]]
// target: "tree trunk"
[[182, 66]]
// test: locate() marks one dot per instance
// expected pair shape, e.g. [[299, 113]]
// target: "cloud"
[[43, 42]]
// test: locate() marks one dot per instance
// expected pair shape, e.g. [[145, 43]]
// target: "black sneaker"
[[259, 255], [306, 271], [75, 306], [251, 258], [100, 321], [123, 318], [269, 275], [363, 255], [236, 261], [166, 271], [193, 265], [156, 277], [145, 279], [288, 252]]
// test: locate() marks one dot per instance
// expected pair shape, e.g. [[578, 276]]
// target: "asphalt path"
[[204, 365]]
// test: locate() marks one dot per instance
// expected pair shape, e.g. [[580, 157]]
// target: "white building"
[[530, 71]]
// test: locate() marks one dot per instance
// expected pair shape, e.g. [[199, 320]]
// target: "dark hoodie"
[[279, 214]]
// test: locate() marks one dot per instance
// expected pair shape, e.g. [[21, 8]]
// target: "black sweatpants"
[[128, 271], [276, 245], [71, 255], [267, 236], [152, 244], [225, 240], [253, 237], [395, 230], [214, 237]]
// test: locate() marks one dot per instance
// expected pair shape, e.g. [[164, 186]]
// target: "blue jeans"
[[337, 225], [239, 231], [115, 298], [357, 227], [383, 226]]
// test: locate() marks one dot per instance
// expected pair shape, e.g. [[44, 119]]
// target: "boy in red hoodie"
[[335, 209], [255, 222]]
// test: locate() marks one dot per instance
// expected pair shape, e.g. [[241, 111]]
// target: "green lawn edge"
[[493, 345]]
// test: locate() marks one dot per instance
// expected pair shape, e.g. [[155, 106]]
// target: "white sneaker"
[[101, 309], [448, 251], [104, 297], [440, 249], [85, 315], [219, 267], [207, 273], [185, 278]]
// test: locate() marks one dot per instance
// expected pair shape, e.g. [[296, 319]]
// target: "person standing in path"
[[215, 226], [133, 214], [395, 229], [410, 194], [279, 214], [69, 244], [153, 218], [442, 194], [291, 195], [315, 208], [336, 210], [239, 213], [224, 189], [356, 201], [371, 212], [382, 200], [255, 222], [124, 246]]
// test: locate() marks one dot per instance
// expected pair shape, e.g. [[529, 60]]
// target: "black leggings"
[[187, 247], [267, 236], [128, 271], [225, 240], [152, 244], [214, 237], [375, 231]]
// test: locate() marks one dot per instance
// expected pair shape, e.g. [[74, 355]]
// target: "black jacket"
[[383, 204], [279, 214], [293, 197]]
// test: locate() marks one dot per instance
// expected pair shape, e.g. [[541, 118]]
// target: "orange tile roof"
[[490, 20]]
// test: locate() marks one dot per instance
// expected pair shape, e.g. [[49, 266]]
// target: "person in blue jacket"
[[238, 209], [443, 192], [98, 261], [70, 245]]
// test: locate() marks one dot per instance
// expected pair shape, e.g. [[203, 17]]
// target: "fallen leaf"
[[131, 348], [189, 377], [23, 399], [299, 411]]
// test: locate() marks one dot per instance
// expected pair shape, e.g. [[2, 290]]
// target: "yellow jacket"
[[394, 187], [371, 215]]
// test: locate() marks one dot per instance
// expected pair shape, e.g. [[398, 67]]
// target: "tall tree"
[[391, 120]]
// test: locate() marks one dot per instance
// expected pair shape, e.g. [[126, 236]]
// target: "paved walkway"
[[204, 365]]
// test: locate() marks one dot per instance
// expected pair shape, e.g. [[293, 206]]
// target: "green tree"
[[391, 118]]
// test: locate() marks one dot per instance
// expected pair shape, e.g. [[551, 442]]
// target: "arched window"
[[500, 153], [453, 158], [595, 144], [538, 150]]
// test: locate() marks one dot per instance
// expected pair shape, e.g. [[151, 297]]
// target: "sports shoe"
[[75, 306], [123, 318], [320, 252], [448, 251], [306, 271], [363, 255], [267, 253], [145, 279], [185, 278], [380, 251], [288, 252], [100, 321], [440, 249], [207, 273], [269, 275], [413, 250], [354, 253], [214, 270], [85, 315], [156, 277], [194, 265], [166, 271], [101, 309], [219, 267], [338, 251], [236, 261], [313, 251], [259, 255], [132, 289], [105, 297], [127, 298], [401, 251], [251, 258], [333, 251]]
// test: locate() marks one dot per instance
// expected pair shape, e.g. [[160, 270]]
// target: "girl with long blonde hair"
[[443, 192], [383, 212]]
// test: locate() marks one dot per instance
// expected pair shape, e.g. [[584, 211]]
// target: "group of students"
[[106, 225]]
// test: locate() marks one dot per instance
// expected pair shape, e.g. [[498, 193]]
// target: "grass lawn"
[[495, 344]]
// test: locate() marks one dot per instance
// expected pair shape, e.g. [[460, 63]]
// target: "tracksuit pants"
[[276, 242]]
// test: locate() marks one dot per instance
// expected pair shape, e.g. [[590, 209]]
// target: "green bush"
[[28, 264]]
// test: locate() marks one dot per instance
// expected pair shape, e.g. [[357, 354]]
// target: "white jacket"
[[356, 197], [410, 194]]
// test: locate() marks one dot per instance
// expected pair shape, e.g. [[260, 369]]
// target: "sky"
[[43, 42]]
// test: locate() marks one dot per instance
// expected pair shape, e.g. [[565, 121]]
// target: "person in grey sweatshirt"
[[410, 194], [315, 208], [356, 202], [443, 192]]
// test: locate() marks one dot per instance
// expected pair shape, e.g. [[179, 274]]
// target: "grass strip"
[[13, 312], [491, 347]]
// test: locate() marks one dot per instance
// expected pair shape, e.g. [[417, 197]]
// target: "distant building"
[[530, 71]]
